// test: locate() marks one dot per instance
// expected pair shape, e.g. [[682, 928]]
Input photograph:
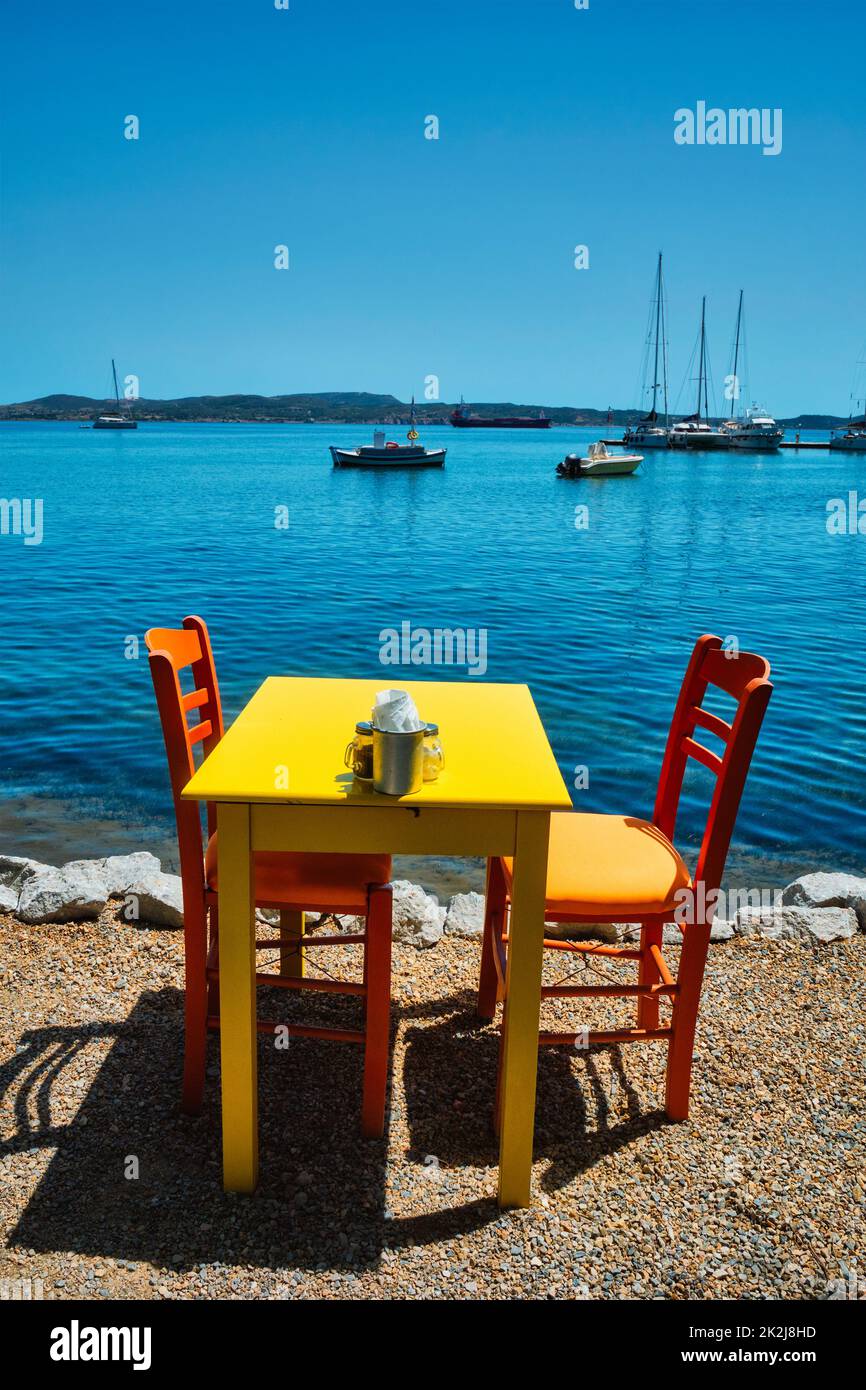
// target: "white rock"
[[8, 898], [465, 915], [828, 890], [70, 894], [418, 920], [351, 926], [157, 899], [722, 930], [120, 870], [14, 870], [817, 924], [630, 931]]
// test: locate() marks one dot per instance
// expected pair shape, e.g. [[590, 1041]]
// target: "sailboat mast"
[[735, 383], [116, 392], [701, 360], [664, 341], [658, 313]]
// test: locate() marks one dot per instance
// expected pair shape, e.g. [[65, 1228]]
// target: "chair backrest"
[[746, 678], [173, 650]]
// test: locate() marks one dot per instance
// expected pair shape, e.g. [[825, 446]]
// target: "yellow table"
[[279, 783]]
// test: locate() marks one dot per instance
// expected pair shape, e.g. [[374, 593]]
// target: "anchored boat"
[[120, 420], [384, 453], [461, 418]]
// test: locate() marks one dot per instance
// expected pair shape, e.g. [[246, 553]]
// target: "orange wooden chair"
[[607, 868], [356, 884]]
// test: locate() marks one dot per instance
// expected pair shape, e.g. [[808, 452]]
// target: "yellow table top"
[[295, 731]]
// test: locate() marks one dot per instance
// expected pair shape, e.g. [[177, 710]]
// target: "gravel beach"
[[107, 1191]]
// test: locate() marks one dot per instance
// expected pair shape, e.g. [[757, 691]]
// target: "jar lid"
[[363, 726], [432, 730]]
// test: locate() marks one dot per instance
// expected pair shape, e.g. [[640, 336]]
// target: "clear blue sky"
[[411, 256]]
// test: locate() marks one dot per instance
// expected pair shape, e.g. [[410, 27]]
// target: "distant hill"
[[339, 407]]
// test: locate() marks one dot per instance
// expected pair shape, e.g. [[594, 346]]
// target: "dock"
[[804, 444], [785, 444]]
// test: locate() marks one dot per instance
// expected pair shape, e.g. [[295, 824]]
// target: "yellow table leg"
[[523, 1003], [237, 1000], [291, 943]]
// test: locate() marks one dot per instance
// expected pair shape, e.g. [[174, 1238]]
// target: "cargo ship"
[[462, 419]]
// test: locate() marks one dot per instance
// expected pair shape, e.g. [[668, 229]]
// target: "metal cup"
[[398, 762]]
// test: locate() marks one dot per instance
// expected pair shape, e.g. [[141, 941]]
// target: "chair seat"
[[328, 882], [609, 866]]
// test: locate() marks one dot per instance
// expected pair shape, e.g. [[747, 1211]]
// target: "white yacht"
[[651, 431], [756, 431]]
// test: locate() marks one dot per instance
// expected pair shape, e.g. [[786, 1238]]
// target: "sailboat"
[[755, 430], [121, 420], [693, 432], [852, 437], [649, 432]]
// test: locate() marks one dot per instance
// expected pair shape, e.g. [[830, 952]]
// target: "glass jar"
[[359, 753], [434, 757]]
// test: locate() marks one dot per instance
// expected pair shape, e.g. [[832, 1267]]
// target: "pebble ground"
[[107, 1191]]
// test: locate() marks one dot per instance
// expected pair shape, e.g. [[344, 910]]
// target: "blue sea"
[[141, 528]]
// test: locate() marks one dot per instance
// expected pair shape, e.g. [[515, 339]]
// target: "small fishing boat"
[[384, 453], [119, 420], [387, 455], [598, 463]]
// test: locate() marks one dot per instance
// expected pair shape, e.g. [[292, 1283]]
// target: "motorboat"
[[598, 463]]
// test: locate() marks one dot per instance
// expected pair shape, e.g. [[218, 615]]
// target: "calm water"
[[144, 527]]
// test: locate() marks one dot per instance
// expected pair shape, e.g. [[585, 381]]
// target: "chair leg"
[[292, 929], [648, 973], [195, 1006], [377, 973], [684, 1022], [494, 915]]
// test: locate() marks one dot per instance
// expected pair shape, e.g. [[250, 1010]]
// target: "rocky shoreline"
[[817, 907]]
